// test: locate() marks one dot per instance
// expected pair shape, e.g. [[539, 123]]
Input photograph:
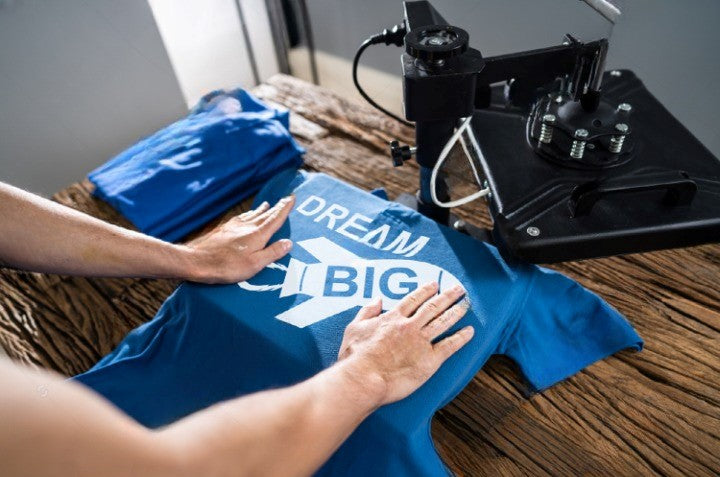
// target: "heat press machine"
[[576, 162]]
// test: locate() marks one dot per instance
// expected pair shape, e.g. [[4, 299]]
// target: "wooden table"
[[654, 412]]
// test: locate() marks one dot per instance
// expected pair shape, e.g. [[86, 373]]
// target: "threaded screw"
[[578, 146], [616, 142], [546, 129]]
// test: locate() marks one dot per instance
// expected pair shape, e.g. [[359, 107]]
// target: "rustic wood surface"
[[654, 412]]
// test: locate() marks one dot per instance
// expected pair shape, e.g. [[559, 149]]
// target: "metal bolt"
[[459, 224], [546, 129], [615, 73], [533, 231], [624, 107], [616, 142], [578, 146]]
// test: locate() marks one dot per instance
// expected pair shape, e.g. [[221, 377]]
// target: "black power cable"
[[393, 36]]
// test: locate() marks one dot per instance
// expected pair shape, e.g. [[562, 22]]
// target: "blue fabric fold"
[[193, 170]]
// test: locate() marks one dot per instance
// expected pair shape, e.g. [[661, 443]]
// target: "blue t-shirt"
[[188, 173], [212, 343]]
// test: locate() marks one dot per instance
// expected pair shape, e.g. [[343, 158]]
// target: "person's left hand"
[[237, 249]]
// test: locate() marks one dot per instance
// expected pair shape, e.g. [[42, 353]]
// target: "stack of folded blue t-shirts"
[[192, 171]]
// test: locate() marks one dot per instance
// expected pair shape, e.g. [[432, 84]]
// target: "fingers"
[[412, 301], [271, 210], [251, 214], [271, 253], [370, 311], [276, 216], [445, 321], [448, 346], [436, 305]]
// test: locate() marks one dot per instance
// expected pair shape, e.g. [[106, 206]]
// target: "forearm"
[[40, 235], [53, 427], [289, 431]]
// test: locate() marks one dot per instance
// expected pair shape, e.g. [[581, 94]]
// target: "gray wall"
[[672, 45], [79, 81]]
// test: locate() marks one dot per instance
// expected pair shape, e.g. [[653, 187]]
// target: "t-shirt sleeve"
[[562, 328]]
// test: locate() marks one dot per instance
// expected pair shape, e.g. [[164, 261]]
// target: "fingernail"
[[458, 290], [464, 303], [468, 330], [287, 244], [431, 285]]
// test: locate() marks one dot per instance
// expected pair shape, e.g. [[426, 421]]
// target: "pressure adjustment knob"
[[400, 154], [436, 43]]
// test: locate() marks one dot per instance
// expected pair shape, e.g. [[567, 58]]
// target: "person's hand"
[[392, 354], [237, 249]]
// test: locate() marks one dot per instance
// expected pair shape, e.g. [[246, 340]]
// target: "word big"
[[341, 280]]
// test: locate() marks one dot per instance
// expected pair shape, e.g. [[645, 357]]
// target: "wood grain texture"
[[654, 412]]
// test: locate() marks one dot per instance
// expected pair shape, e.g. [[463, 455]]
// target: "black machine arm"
[[445, 80], [577, 162], [582, 63], [439, 63]]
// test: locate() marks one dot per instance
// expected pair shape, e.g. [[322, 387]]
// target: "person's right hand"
[[238, 249], [392, 354]]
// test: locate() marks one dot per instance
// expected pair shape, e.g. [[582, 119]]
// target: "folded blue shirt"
[[212, 343], [193, 170]]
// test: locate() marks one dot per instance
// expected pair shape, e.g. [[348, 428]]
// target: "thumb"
[[271, 253]]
